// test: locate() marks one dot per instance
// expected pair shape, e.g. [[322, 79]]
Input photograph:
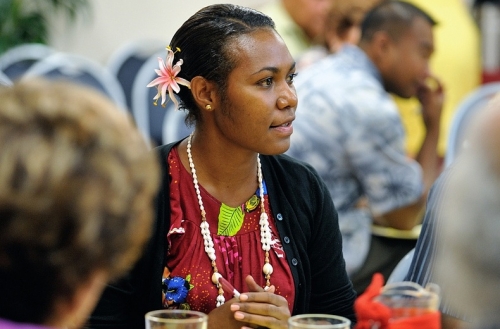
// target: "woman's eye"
[[267, 82], [291, 78]]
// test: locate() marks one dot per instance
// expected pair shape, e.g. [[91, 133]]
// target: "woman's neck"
[[230, 175]]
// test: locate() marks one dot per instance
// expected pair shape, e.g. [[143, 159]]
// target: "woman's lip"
[[286, 123], [286, 128]]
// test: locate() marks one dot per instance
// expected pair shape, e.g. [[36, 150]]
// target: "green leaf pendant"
[[230, 220]]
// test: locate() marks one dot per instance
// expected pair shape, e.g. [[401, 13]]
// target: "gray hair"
[[468, 263]]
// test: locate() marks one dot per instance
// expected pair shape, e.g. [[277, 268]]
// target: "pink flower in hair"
[[168, 79]]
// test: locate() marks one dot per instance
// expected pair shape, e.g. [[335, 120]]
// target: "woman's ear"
[[204, 92]]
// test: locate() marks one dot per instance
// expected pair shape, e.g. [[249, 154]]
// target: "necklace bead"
[[265, 231]]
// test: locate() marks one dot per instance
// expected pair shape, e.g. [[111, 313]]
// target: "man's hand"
[[431, 96]]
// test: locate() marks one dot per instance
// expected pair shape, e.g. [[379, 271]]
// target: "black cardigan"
[[308, 228]]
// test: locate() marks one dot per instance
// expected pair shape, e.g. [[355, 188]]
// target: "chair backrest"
[[465, 112], [17, 60], [126, 61], [79, 69], [4, 80], [152, 119], [174, 126], [400, 271]]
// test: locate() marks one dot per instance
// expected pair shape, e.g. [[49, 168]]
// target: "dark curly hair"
[[204, 40]]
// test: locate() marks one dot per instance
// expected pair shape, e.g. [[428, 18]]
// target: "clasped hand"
[[254, 309]]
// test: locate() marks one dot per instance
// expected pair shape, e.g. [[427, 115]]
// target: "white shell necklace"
[[265, 232]]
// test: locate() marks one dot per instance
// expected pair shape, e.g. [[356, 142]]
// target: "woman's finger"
[[253, 286], [259, 320]]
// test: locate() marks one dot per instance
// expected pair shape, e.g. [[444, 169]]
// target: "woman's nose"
[[287, 99]]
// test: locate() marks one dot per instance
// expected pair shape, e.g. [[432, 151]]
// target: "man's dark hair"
[[392, 17]]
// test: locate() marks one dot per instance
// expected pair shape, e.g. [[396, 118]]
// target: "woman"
[[268, 224]]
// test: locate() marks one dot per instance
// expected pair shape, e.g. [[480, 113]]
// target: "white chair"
[[154, 121], [126, 61], [17, 60], [400, 271], [79, 69], [4, 80], [465, 112], [174, 126]]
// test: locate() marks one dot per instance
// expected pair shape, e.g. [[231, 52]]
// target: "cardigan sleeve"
[[314, 252], [331, 288]]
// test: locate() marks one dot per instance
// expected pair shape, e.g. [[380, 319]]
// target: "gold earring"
[[208, 107]]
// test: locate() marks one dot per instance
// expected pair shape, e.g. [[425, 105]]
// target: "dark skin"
[[257, 308], [255, 117], [310, 15]]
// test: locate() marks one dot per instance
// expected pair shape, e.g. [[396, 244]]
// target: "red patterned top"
[[189, 273]]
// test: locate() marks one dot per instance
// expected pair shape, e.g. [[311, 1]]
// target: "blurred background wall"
[[112, 23]]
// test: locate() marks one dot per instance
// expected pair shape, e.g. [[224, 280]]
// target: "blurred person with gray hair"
[[77, 184], [467, 259]]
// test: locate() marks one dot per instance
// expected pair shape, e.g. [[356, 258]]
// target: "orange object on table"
[[373, 314]]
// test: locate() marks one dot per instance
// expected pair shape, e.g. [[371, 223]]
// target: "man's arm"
[[405, 218]]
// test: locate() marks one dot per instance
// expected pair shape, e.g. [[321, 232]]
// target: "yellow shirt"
[[456, 62]]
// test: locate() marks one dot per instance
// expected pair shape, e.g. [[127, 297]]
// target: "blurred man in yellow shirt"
[[456, 61]]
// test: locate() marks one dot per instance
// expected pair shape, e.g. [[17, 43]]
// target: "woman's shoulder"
[[163, 150]]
